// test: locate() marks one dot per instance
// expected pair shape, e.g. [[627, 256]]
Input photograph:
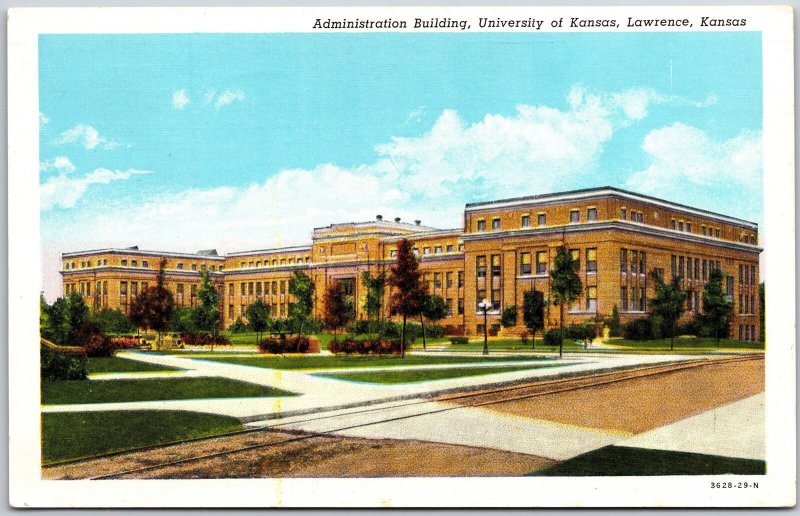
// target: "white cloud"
[[415, 115], [227, 97], [61, 164], [87, 136], [180, 99], [682, 155], [64, 190], [43, 120]]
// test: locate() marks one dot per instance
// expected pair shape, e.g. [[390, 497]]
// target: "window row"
[[434, 280], [747, 274], [747, 332], [693, 268], [134, 288], [87, 264], [747, 304], [748, 239], [275, 263], [275, 310], [633, 299], [636, 216], [638, 261], [257, 288], [543, 264]]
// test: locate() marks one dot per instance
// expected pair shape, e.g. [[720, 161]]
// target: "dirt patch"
[[641, 404], [318, 456]]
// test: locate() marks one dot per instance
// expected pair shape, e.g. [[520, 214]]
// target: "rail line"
[[477, 398]]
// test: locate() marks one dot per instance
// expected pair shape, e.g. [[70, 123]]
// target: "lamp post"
[[484, 306]]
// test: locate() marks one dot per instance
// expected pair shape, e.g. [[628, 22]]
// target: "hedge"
[[350, 346], [55, 365], [204, 339], [459, 340], [289, 344]]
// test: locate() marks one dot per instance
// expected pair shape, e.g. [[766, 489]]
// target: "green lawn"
[[111, 391], [624, 461], [71, 435], [122, 365], [345, 361], [424, 375], [506, 344], [690, 343]]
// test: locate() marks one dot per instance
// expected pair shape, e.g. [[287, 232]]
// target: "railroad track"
[[445, 403]]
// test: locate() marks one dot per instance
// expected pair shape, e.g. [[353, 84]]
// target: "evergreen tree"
[[566, 286], [533, 304], [408, 291], [373, 301], [435, 309], [668, 303], [206, 317], [301, 287], [716, 307]]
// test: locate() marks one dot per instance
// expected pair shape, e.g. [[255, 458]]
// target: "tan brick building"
[[505, 248]]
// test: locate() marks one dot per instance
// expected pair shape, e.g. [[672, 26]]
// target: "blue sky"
[[237, 141]]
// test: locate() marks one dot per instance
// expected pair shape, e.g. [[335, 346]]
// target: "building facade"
[[505, 248]]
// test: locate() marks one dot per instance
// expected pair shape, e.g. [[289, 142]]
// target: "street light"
[[484, 306]]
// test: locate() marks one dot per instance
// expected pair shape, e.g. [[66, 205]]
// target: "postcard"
[[401, 257]]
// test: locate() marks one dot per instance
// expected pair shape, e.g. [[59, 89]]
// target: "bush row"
[[289, 344], [365, 347], [391, 330], [459, 340]]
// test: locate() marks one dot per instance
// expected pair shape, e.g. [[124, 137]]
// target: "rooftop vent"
[[207, 252], [132, 248], [379, 217], [397, 219], [417, 222]]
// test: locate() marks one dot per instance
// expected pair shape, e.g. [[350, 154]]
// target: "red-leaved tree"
[[408, 290], [335, 312], [152, 308]]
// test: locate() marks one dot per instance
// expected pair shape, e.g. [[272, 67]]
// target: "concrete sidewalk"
[[733, 430]]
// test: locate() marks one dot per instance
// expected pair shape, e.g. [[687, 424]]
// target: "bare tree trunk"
[[403, 339], [561, 341], [422, 323]]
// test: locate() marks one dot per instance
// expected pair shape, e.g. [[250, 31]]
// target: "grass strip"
[[76, 435], [346, 362], [151, 389], [123, 365], [423, 375], [624, 461]]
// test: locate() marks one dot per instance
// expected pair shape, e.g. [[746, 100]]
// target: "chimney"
[[379, 217], [397, 219], [417, 222]]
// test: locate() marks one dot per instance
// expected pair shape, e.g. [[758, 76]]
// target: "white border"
[[26, 486]]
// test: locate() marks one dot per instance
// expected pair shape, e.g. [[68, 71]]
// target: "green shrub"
[[350, 346], [204, 339], [459, 340], [238, 326], [112, 321], [613, 323], [579, 332], [61, 366], [509, 317], [289, 344], [646, 328], [552, 337]]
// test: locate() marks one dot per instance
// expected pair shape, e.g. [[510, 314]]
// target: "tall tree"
[[668, 303], [206, 316], [77, 311], [258, 317], [533, 304], [373, 301], [336, 312], [566, 286], [716, 307], [152, 308], [408, 290], [435, 309], [302, 288]]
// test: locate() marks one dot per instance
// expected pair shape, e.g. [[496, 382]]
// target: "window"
[[194, 266], [672, 224], [230, 290], [193, 295], [124, 263], [576, 259], [623, 298], [448, 280], [437, 249], [753, 275], [591, 214], [541, 262], [230, 311], [697, 268], [716, 233], [480, 266], [574, 216], [480, 295], [392, 253], [241, 265], [134, 263], [274, 288], [203, 267], [495, 299], [591, 260], [541, 219], [525, 264], [460, 279], [623, 213], [449, 248], [642, 300], [460, 306], [123, 288], [495, 224], [729, 288], [258, 289], [460, 248], [426, 250], [688, 227], [437, 280], [495, 265], [213, 268], [283, 261], [179, 293], [703, 229], [680, 225], [526, 221], [449, 302], [258, 263], [591, 299], [634, 261], [481, 226], [241, 289], [623, 260], [145, 264], [741, 274]]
